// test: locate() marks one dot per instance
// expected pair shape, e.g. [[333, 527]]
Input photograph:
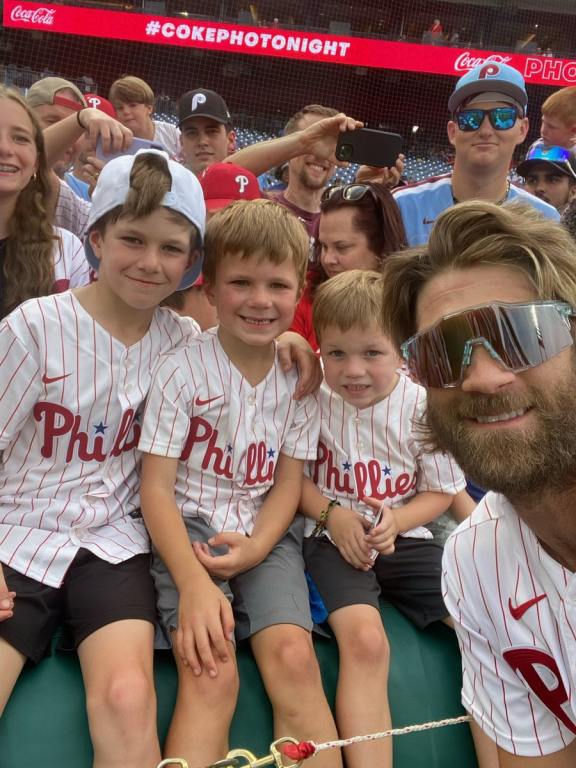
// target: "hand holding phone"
[[384, 527], [367, 146]]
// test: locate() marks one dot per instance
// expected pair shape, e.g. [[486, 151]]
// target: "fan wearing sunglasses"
[[549, 172], [484, 317], [360, 225], [488, 121]]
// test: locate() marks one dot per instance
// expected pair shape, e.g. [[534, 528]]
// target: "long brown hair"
[[28, 269]]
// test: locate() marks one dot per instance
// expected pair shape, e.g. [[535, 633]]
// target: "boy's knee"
[[367, 646], [295, 659], [126, 697], [221, 690]]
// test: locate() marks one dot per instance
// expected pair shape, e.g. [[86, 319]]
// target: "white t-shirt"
[[70, 395], [514, 608], [71, 269], [227, 434], [375, 452], [169, 136]]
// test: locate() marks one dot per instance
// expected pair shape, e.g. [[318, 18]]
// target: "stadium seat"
[[45, 723]]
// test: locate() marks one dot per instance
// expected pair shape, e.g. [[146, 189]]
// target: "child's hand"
[[6, 599], [293, 349], [243, 553], [205, 628], [348, 531], [382, 537]]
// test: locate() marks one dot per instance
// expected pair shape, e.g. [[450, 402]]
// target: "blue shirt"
[[421, 204], [77, 186]]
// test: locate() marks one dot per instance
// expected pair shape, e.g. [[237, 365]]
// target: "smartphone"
[[131, 150], [367, 146], [377, 520]]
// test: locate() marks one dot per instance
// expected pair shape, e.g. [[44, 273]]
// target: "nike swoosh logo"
[[201, 401], [519, 610], [51, 379], [428, 221]]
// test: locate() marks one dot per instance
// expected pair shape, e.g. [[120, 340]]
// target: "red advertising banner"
[[263, 41]]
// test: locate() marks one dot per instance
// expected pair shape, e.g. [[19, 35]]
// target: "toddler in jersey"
[[224, 445], [74, 370], [371, 491]]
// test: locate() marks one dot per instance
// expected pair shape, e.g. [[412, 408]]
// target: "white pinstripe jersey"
[[515, 613], [374, 452], [69, 399], [227, 433], [71, 270]]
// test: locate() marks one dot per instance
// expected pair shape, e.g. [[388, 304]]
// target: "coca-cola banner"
[[262, 41]]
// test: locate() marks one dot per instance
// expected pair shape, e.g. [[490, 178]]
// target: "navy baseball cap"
[[493, 77], [203, 103], [560, 158]]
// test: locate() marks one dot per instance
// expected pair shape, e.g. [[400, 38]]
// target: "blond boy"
[[559, 118]]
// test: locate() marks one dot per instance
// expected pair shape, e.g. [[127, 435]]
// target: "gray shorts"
[[274, 592]]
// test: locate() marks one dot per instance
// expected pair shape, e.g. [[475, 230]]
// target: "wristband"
[[323, 519], [78, 119]]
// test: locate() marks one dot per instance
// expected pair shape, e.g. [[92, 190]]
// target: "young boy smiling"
[[224, 443], [371, 493]]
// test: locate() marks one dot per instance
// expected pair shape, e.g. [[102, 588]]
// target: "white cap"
[[185, 197]]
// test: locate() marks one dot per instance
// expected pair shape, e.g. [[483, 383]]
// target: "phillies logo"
[[59, 422], [529, 663], [242, 182], [259, 465], [197, 99], [33, 15], [466, 61], [94, 101], [367, 478]]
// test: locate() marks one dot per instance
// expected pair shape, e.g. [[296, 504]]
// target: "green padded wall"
[[45, 724]]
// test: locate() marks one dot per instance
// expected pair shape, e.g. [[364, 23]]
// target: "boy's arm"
[[293, 349], [346, 527], [272, 522], [319, 139], [205, 618]]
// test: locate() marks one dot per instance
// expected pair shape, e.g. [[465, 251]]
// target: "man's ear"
[[231, 142], [451, 131]]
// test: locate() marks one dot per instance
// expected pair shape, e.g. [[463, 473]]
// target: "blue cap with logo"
[[494, 78]]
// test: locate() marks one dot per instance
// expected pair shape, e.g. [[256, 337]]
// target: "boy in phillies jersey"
[[371, 493], [224, 444], [74, 370]]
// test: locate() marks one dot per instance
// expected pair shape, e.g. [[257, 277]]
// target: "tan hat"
[[45, 91]]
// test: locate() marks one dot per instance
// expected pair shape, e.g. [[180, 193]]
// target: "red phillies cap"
[[99, 102], [223, 183]]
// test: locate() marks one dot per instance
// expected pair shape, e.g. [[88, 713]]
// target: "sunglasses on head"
[[351, 193], [519, 336], [501, 118], [552, 154]]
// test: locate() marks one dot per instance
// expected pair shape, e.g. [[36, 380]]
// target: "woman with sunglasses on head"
[[360, 224], [36, 258]]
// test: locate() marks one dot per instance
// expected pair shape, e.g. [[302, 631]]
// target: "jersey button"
[[251, 399], [359, 444]]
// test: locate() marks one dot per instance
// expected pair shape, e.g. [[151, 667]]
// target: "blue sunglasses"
[[501, 118]]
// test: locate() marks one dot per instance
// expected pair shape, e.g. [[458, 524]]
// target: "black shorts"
[[94, 593], [409, 579]]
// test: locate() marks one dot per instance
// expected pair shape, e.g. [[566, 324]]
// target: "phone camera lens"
[[346, 152]]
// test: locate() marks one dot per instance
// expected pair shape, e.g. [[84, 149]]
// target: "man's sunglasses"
[[351, 193], [519, 336], [501, 118]]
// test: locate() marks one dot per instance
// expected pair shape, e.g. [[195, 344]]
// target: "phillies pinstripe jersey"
[[69, 427], [71, 270], [227, 434], [374, 452], [514, 608]]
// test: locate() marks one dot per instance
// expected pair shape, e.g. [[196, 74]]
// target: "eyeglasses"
[[501, 118], [519, 336], [349, 192]]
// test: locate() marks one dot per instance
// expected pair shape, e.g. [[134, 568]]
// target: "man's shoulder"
[[435, 185], [519, 194]]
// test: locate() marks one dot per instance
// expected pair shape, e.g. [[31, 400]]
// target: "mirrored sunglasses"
[[501, 118], [519, 336], [551, 154], [349, 192]]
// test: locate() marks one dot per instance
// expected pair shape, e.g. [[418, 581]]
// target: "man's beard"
[[513, 461]]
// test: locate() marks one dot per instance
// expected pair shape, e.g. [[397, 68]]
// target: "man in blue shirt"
[[488, 121]]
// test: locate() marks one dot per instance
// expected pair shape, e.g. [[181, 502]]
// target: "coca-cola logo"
[[33, 15], [467, 61]]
